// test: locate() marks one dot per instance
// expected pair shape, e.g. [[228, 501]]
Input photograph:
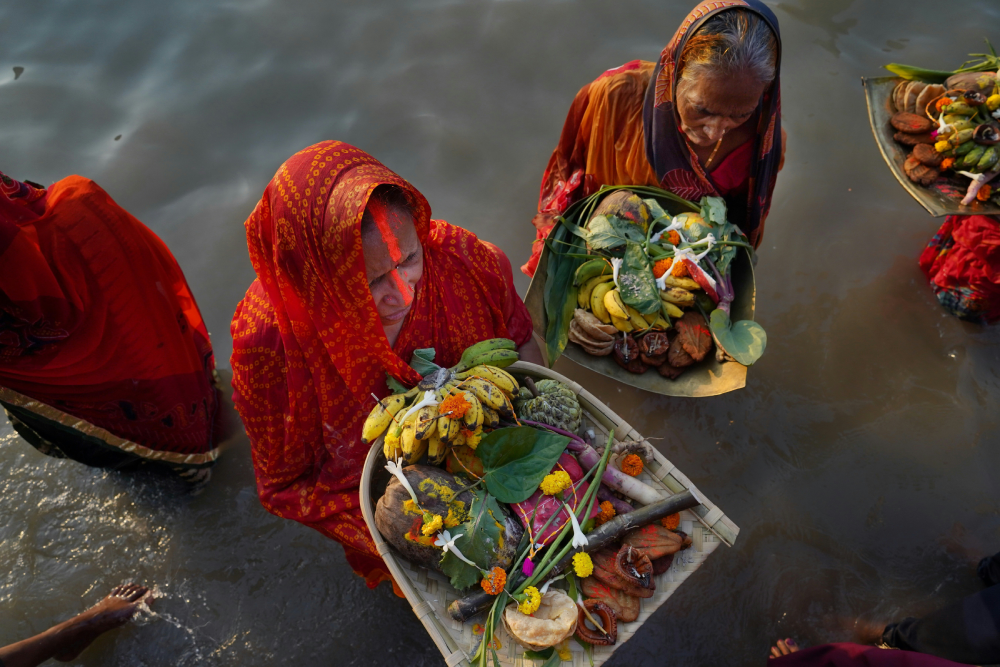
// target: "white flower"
[[579, 539], [676, 225], [447, 543], [551, 581], [396, 468], [428, 399], [616, 264], [996, 114]]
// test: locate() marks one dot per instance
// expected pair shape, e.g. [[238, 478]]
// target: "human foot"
[[112, 612], [783, 647]]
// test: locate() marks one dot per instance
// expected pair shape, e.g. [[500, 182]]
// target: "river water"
[[860, 460]]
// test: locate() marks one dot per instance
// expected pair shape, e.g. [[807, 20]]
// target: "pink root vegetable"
[[548, 505], [621, 507], [616, 479], [977, 184]]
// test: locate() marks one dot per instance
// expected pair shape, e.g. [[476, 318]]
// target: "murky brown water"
[[860, 461]]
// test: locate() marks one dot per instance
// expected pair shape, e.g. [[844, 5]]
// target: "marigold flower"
[[661, 266], [671, 522], [583, 565], [632, 465], [680, 270], [607, 513], [942, 103], [984, 193], [532, 599], [451, 520], [947, 162], [555, 483], [563, 650], [409, 506], [495, 582], [454, 407], [942, 146], [674, 237], [432, 524], [472, 439]]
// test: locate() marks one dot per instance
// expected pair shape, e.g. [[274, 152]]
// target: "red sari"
[[97, 323], [308, 345]]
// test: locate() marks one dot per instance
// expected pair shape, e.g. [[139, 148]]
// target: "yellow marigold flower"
[[531, 601], [607, 513], [472, 439], [563, 650], [432, 524], [555, 483], [671, 522], [993, 102], [583, 565], [409, 506], [454, 407], [632, 465], [662, 266], [452, 519], [391, 437], [495, 582], [942, 146]]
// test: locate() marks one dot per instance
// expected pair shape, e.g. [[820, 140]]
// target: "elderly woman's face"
[[710, 106], [394, 263]]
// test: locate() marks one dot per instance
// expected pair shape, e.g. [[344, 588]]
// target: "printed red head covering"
[[667, 148], [97, 320], [308, 346]]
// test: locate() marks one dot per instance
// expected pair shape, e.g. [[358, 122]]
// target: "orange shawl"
[[97, 320], [308, 346]]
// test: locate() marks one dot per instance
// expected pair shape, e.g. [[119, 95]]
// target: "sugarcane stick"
[[465, 608]]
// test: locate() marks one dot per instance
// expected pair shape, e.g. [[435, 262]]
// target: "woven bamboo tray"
[[430, 593]]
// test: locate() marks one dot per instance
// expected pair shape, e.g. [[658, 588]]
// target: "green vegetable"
[[989, 63]]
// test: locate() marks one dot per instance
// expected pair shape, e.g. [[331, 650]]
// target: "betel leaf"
[[605, 232], [636, 282], [422, 361], [515, 460], [744, 341], [479, 541]]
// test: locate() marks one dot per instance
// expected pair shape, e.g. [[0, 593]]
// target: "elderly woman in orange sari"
[[104, 356], [703, 120], [352, 277]]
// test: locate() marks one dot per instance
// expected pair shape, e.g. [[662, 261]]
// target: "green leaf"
[[636, 282], [395, 386], [744, 341], [713, 209], [479, 541], [553, 661], [656, 211], [515, 460], [607, 232], [422, 361], [539, 655], [560, 293]]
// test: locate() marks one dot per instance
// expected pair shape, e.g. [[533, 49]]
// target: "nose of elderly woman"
[[404, 283]]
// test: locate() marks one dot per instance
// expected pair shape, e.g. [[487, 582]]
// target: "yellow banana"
[[426, 421], [683, 283], [636, 319], [678, 296], [672, 310], [448, 429], [597, 301], [390, 447], [651, 318], [501, 378], [473, 419], [488, 393], [415, 453], [587, 290], [491, 418], [437, 450], [380, 417], [622, 325], [459, 439], [616, 307]]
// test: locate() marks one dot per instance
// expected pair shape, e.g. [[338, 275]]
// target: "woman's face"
[[710, 106], [394, 263]]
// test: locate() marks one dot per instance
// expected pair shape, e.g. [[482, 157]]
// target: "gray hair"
[[733, 42]]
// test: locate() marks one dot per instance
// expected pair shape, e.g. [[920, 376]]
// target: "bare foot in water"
[[66, 640], [112, 612], [783, 647]]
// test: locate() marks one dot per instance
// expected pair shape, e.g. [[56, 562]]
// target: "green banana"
[[964, 148], [501, 358], [591, 269], [989, 159], [481, 348], [587, 290], [973, 157]]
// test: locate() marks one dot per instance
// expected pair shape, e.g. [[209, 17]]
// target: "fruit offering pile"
[[514, 521], [655, 290]]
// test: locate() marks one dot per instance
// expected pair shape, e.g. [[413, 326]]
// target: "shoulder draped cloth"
[[623, 129], [308, 346], [97, 320]]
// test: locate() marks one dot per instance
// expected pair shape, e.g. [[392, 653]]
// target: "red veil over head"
[[308, 346]]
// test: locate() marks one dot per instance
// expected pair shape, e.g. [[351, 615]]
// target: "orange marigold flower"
[[455, 406], [671, 522], [942, 103], [984, 193], [680, 270], [662, 266], [632, 465], [607, 513], [673, 238], [947, 162], [495, 582]]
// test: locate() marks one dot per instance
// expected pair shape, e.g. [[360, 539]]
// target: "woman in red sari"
[[352, 277], [701, 121], [104, 357]]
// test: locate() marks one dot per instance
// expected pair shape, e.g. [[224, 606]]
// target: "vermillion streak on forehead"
[[403, 287], [380, 214]]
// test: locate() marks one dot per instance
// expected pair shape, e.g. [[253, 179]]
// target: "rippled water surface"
[[860, 461]]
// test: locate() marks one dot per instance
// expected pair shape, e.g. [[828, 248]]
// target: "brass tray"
[[707, 378], [878, 94]]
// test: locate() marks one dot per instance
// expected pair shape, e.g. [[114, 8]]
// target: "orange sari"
[[308, 346], [97, 322]]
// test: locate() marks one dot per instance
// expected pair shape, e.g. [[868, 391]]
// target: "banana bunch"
[[455, 405]]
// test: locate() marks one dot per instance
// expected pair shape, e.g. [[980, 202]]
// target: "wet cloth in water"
[[962, 262], [622, 129], [308, 346], [98, 322]]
